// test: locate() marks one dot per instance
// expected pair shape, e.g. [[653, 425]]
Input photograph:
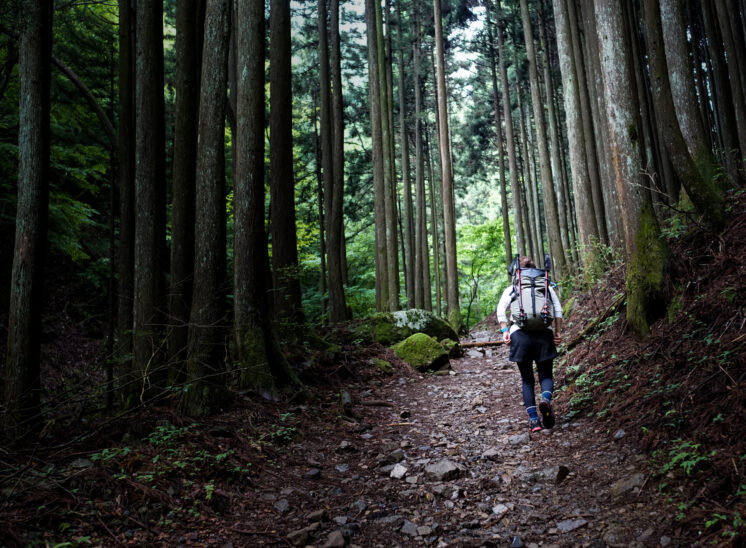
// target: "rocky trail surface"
[[447, 460]]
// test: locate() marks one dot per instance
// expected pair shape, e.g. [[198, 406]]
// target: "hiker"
[[530, 336]]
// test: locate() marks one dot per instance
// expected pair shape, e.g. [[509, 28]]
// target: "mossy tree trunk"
[[645, 249]]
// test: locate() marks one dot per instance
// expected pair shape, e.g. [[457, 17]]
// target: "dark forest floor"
[[648, 450]]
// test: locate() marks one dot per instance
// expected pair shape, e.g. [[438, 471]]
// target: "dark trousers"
[[544, 369]]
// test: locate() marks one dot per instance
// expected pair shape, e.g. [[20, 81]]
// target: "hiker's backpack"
[[531, 300]]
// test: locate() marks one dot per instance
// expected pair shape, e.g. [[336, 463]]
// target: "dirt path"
[[448, 461]]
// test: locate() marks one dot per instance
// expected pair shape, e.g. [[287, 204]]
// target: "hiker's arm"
[[557, 328]]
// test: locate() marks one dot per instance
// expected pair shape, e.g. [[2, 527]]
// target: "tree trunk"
[[126, 175], [337, 302], [645, 250], [321, 204], [22, 369], [150, 201], [436, 238], [421, 270], [696, 174], [449, 213], [738, 87], [547, 182], [587, 227], [392, 247], [498, 132], [189, 24], [408, 217], [286, 285], [262, 363], [379, 186], [205, 368]]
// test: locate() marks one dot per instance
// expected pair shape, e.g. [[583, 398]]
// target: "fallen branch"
[[477, 344], [594, 324], [377, 403]]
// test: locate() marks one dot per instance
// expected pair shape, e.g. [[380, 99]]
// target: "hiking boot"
[[534, 425], [547, 416]]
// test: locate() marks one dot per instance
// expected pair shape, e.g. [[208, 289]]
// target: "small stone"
[[665, 541], [340, 520], [299, 537], [81, 464], [318, 515], [491, 454], [409, 528], [568, 525], [444, 470], [517, 543], [313, 473], [395, 456], [499, 510], [346, 446], [342, 468], [626, 484], [562, 473], [335, 540], [519, 439], [282, 506], [619, 434], [424, 530], [398, 472]]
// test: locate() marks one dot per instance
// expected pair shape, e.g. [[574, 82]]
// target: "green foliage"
[[683, 456]]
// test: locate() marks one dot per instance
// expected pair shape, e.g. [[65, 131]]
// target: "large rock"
[[422, 352], [390, 328]]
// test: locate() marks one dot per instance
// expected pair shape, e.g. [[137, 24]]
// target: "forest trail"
[[447, 460]]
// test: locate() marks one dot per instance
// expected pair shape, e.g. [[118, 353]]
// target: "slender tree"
[[449, 212], [286, 287], [150, 200], [206, 345], [262, 363], [189, 23], [22, 370], [547, 181]]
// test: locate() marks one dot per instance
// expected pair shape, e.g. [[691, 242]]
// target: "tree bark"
[[587, 227], [449, 213], [22, 396], [262, 363], [150, 202], [696, 174], [189, 25], [126, 175], [379, 186], [286, 283], [205, 368], [645, 250], [547, 182]]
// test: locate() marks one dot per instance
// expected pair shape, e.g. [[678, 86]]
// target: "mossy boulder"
[[452, 347], [422, 352], [390, 328]]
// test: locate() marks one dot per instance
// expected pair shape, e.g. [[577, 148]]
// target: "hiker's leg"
[[546, 381], [528, 382]]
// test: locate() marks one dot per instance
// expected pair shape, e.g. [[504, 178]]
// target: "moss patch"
[[452, 347], [421, 352], [383, 365]]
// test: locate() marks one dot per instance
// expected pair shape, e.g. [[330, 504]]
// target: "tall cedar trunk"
[[645, 131], [126, 136], [645, 249], [547, 182], [392, 132], [150, 201], [436, 208], [189, 23], [587, 228], [590, 99], [379, 186], [262, 363], [322, 216], [337, 303], [327, 131], [696, 174], [556, 150], [723, 98], [500, 149], [680, 77], [408, 217], [531, 219], [421, 214], [515, 188], [449, 211], [286, 283], [699, 60], [205, 366], [22, 396], [392, 247], [738, 87]]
